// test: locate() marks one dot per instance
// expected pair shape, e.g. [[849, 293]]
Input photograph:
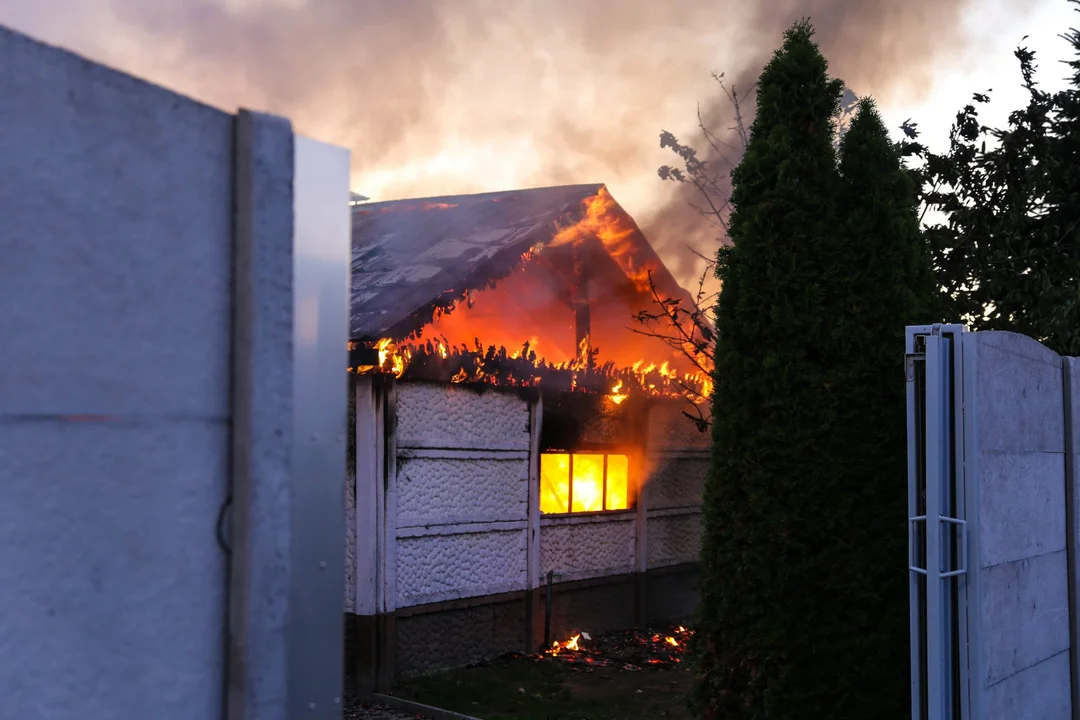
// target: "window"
[[583, 482]]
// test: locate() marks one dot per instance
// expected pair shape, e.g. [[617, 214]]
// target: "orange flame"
[[615, 230], [616, 396], [648, 378], [528, 307], [571, 644]]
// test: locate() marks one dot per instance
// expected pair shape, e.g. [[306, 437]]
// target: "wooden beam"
[[582, 309]]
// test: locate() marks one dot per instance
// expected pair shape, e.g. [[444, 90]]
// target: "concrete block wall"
[[115, 306], [461, 492], [587, 546], [459, 502], [1023, 566], [678, 461], [439, 539], [146, 304]]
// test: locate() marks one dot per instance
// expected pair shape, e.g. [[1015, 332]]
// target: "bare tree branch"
[[691, 330]]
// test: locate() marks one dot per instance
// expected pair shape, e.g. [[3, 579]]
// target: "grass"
[[526, 689]]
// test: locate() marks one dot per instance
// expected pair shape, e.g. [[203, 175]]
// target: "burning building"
[[524, 460]]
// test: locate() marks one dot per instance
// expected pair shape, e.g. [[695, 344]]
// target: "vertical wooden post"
[[582, 310], [532, 554], [387, 561], [369, 450]]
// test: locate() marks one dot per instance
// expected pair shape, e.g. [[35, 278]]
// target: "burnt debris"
[[629, 650]]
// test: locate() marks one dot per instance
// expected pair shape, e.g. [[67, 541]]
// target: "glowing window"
[[583, 482]]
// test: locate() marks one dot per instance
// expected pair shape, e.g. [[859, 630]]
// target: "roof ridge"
[[479, 195]]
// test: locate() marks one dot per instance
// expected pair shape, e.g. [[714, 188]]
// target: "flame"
[[390, 355], [571, 644], [616, 396], [601, 219], [659, 649], [611, 360], [527, 369]]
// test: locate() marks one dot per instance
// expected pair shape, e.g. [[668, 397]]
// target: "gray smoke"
[[435, 98]]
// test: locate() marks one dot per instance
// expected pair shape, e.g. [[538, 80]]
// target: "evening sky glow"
[[438, 99]]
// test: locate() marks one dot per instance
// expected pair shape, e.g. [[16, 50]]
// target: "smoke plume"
[[436, 98]]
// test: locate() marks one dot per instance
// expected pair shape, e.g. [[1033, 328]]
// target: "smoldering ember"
[[526, 461]]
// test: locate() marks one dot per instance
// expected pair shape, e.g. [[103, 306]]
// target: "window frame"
[[632, 461]]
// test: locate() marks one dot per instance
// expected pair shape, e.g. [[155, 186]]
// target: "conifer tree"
[[804, 601]]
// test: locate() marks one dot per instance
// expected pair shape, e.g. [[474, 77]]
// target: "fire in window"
[[583, 482]]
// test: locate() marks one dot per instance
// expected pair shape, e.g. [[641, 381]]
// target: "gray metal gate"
[[941, 502]]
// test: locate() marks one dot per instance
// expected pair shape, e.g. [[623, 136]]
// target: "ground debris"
[[629, 650]]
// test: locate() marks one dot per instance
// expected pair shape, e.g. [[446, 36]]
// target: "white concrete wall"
[[457, 504], [461, 491], [587, 546], [1022, 557], [679, 461], [676, 460], [115, 310], [146, 306]]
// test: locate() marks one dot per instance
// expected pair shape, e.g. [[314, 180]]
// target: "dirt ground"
[[530, 689], [355, 710]]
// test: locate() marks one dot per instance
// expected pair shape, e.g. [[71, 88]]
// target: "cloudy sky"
[[462, 96]]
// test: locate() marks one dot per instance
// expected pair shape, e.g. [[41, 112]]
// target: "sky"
[[437, 98]]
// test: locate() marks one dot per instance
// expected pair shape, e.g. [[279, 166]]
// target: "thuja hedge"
[[804, 606]]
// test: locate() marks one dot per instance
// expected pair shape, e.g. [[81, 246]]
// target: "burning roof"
[[411, 258], [429, 300]]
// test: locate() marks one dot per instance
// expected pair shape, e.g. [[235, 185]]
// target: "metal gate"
[[941, 527]]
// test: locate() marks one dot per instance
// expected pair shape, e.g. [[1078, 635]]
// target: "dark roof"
[[408, 255]]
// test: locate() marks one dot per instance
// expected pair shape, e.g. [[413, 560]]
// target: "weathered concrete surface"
[[1040, 691], [116, 304], [113, 601], [116, 215], [1020, 395], [1023, 568], [263, 443]]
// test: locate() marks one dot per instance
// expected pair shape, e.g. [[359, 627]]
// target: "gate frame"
[[961, 429]]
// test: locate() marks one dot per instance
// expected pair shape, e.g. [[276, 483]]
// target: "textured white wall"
[[673, 539], [461, 493], [473, 561], [670, 429], [676, 481], [576, 548], [440, 490], [448, 416]]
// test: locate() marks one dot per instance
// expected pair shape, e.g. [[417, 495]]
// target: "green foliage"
[[804, 583], [1008, 249]]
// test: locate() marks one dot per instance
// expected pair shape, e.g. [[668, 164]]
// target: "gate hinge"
[[909, 365]]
